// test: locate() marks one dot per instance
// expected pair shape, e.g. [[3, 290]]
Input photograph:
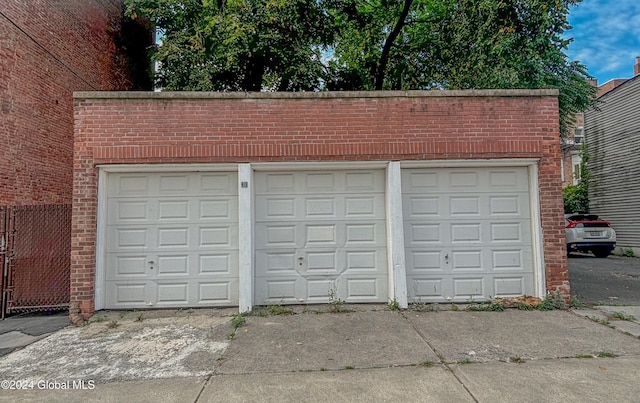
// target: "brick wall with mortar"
[[48, 49], [133, 128]]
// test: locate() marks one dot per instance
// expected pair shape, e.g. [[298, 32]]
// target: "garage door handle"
[[446, 258], [150, 264]]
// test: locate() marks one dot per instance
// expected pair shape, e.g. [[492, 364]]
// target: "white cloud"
[[606, 37]]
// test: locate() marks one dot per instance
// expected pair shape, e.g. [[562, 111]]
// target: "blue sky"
[[606, 37]]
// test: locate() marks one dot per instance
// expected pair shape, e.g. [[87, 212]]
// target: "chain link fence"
[[37, 244]]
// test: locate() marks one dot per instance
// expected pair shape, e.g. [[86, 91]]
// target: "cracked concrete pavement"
[[369, 354]]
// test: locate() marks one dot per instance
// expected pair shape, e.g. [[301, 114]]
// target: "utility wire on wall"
[[47, 51]]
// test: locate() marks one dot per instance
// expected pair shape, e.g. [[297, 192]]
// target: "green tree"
[[237, 45], [309, 45], [576, 197], [513, 44]]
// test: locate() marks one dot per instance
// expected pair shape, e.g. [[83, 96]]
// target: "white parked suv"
[[588, 233]]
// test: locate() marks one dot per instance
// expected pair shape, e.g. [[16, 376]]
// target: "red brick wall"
[[173, 128], [48, 49]]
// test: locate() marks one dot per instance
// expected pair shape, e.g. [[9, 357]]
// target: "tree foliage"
[[576, 197], [312, 45]]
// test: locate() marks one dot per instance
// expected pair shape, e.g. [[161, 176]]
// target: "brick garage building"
[[214, 199]]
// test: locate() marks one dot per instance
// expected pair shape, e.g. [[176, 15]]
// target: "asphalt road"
[[614, 280]]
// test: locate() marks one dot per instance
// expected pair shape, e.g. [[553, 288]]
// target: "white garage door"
[[171, 240], [467, 233], [319, 232]]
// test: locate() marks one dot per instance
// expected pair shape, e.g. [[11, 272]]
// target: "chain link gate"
[[35, 245], [5, 256]]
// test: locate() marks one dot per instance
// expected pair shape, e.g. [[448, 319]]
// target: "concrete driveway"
[[611, 281], [369, 354]]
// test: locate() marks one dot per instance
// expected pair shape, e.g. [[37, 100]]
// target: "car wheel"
[[601, 252]]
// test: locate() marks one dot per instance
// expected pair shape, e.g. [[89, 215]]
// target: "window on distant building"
[[578, 135], [576, 163]]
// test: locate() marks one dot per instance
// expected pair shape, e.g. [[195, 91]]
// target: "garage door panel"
[[219, 293], [127, 185], [511, 205], [363, 181], [466, 179], [363, 261], [320, 234], [278, 235], [218, 209], [420, 206], [361, 206], [153, 237], [129, 212], [277, 182], [505, 232], [217, 264], [424, 260], [331, 229], [279, 208], [173, 183], [278, 290], [362, 289], [461, 205], [464, 205], [321, 262], [463, 229], [128, 238], [173, 237], [422, 181], [363, 233], [469, 288], [318, 290], [174, 245], [314, 182], [133, 266], [423, 233], [128, 294], [152, 265], [463, 232], [466, 289], [468, 232], [317, 182], [508, 179], [426, 289], [173, 293], [452, 180], [219, 236], [217, 184], [172, 265], [173, 210], [492, 259], [509, 259], [130, 185], [466, 260], [276, 262], [324, 207], [509, 286], [329, 208]]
